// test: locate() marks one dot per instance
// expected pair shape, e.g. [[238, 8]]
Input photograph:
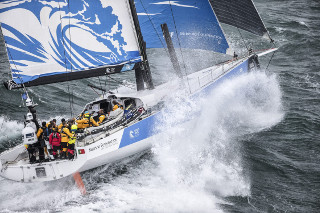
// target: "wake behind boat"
[[132, 129]]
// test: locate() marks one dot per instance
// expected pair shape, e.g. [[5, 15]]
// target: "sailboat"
[[52, 41]]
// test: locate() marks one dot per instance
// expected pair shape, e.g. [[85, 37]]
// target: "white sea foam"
[[9, 129], [193, 165], [198, 163]]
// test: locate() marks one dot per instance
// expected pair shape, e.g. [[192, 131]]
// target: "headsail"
[[58, 40], [192, 20], [241, 14]]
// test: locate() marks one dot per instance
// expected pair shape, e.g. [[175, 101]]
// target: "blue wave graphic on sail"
[[52, 37]]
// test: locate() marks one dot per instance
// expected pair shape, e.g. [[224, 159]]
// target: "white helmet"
[[28, 102], [29, 117]]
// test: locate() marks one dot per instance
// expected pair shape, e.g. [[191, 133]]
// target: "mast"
[[172, 52], [142, 73]]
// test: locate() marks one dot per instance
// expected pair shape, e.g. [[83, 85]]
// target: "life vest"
[[73, 138], [55, 139], [87, 118], [74, 128]]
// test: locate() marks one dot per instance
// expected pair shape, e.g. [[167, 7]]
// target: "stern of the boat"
[[19, 169]]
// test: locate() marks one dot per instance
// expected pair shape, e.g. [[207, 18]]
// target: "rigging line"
[[270, 60], [105, 81], [154, 28], [175, 26], [71, 103], [119, 82], [99, 82], [65, 58]]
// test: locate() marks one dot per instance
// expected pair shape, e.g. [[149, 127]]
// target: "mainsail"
[[192, 24], [51, 41], [241, 14]]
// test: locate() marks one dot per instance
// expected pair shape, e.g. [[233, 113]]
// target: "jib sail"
[[241, 14], [192, 24]]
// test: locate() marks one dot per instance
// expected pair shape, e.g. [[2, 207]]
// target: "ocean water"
[[253, 146]]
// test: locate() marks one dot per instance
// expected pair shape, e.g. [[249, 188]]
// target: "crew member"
[[42, 134], [30, 122], [61, 125], [52, 123], [33, 112], [102, 116], [30, 138], [65, 136], [116, 105], [72, 141], [55, 142], [87, 121]]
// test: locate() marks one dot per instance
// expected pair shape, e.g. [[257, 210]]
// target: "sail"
[[241, 14], [58, 40], [192, 24]]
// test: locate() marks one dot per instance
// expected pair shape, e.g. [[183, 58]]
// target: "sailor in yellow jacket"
[[61, 125], [72, 140], [87, 121], [116, 105], [65, 137], [102, 116]]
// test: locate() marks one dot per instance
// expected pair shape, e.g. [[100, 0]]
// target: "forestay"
[[241, 14], [58, 40], [192, 24]]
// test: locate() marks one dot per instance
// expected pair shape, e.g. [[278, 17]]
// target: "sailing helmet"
[[29, 117], [28, 102], [86, 114]]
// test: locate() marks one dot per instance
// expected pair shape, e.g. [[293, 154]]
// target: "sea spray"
[[10, 132], [194, 164], [203, 156]]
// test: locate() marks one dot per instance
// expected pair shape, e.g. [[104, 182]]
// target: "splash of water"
[[196, 164], [192, 166], [9, 129], [202, 158]]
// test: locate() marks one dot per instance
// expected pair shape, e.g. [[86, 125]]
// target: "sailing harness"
[[88, 118], [54, 135], [73, 138]]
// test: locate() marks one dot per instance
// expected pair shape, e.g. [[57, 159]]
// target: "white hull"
[[122, 142]]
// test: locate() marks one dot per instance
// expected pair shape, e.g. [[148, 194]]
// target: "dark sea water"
[[254, 147]]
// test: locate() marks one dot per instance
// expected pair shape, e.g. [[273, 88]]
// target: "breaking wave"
[[9, 129], [192, 166], [201, 161]]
